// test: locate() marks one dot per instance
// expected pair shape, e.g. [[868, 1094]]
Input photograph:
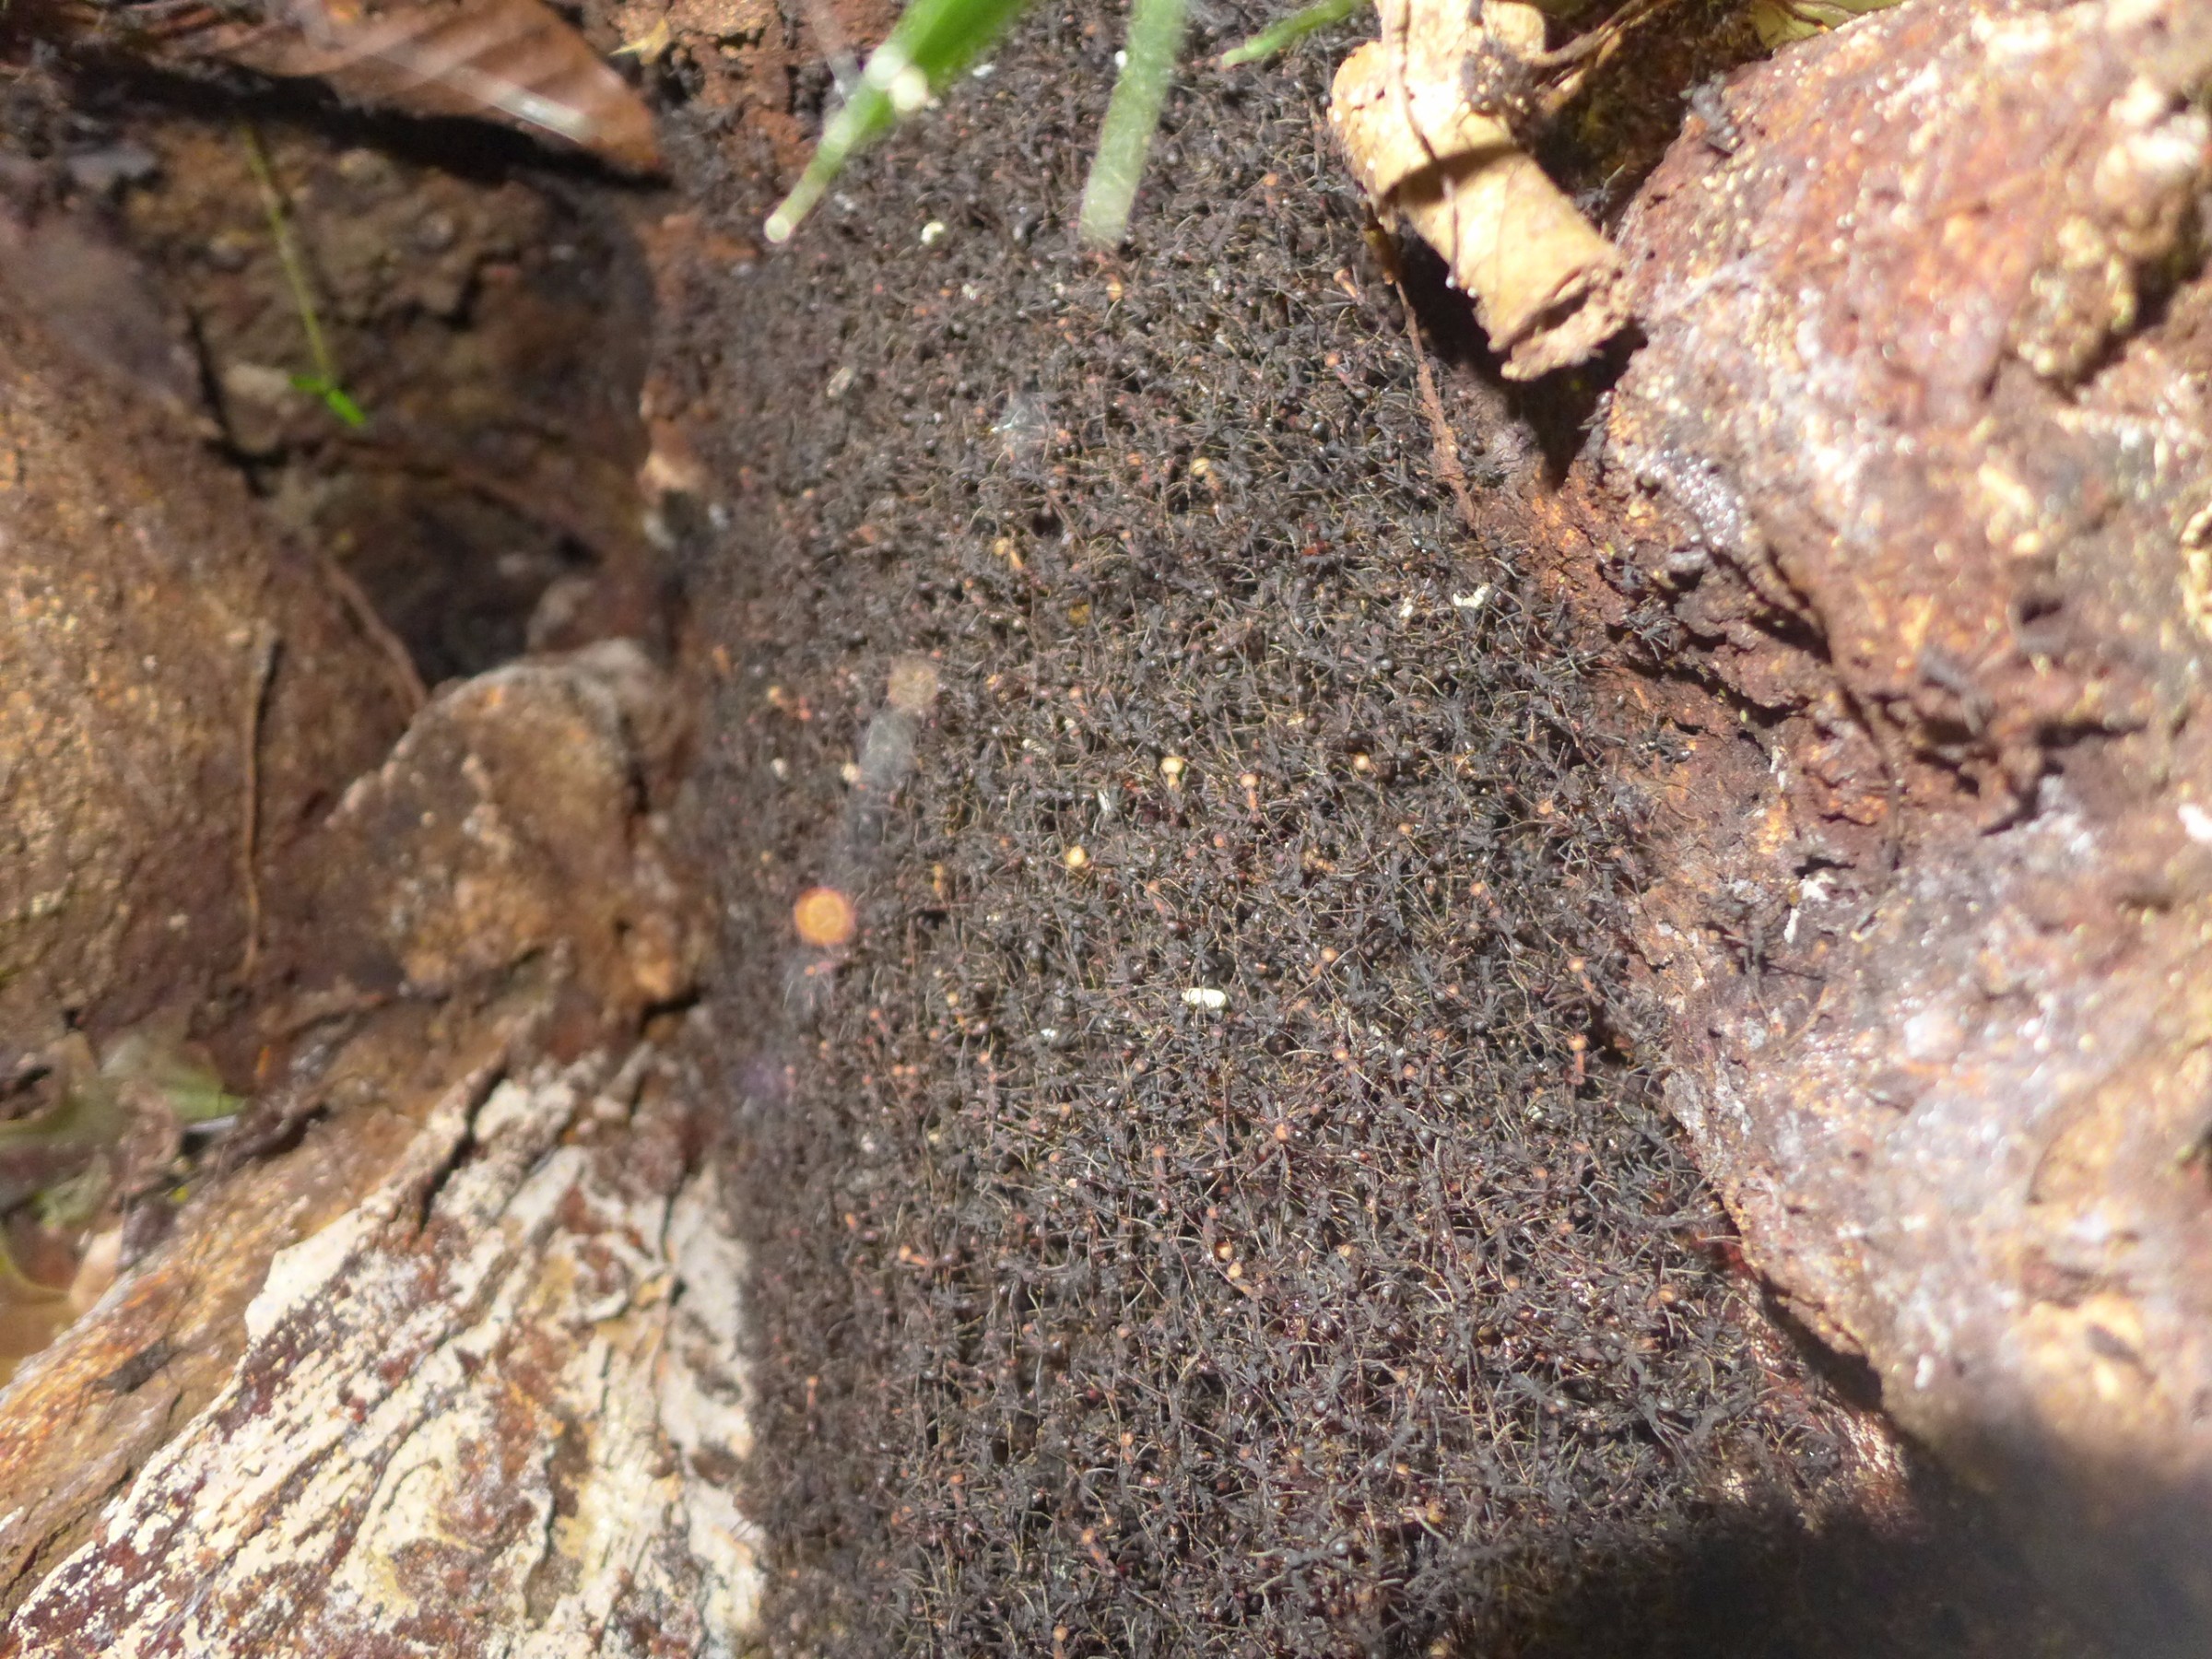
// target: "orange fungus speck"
[[824, 916]]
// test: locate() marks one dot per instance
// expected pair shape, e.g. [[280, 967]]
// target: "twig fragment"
[[406, 677], [1547, 288], [260, 672], [1441, 434]]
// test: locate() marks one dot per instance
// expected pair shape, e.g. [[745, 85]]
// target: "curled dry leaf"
[[515, 62], [1547, 288], [1778, 22]]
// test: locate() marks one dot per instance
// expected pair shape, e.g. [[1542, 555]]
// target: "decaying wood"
[[442, 1356], [493, 1407], [1547, 286], [1914, 465], [83, 1416]]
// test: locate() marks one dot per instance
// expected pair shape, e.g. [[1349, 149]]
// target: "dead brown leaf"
[[515, 62], [1547, 286]]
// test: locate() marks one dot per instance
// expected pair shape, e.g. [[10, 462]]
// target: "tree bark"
[[1903, 496], [440, 1353]]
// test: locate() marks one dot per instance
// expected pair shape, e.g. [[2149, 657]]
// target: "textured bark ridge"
[[443, 1356], [1912, 473], [485, 1411]]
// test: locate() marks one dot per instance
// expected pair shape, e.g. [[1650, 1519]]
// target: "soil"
[[1218, 1200], [486, 307]]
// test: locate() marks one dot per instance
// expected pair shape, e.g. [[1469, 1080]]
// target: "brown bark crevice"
[[1901, 493]]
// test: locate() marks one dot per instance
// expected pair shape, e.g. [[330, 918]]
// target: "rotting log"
[[1905, 496], [493, 1406], [447, 1359]]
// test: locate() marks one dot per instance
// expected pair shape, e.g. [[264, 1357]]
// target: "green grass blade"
[[1281, 36], [333, 397], [1155, 40], [323, 381], [933, 41]]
